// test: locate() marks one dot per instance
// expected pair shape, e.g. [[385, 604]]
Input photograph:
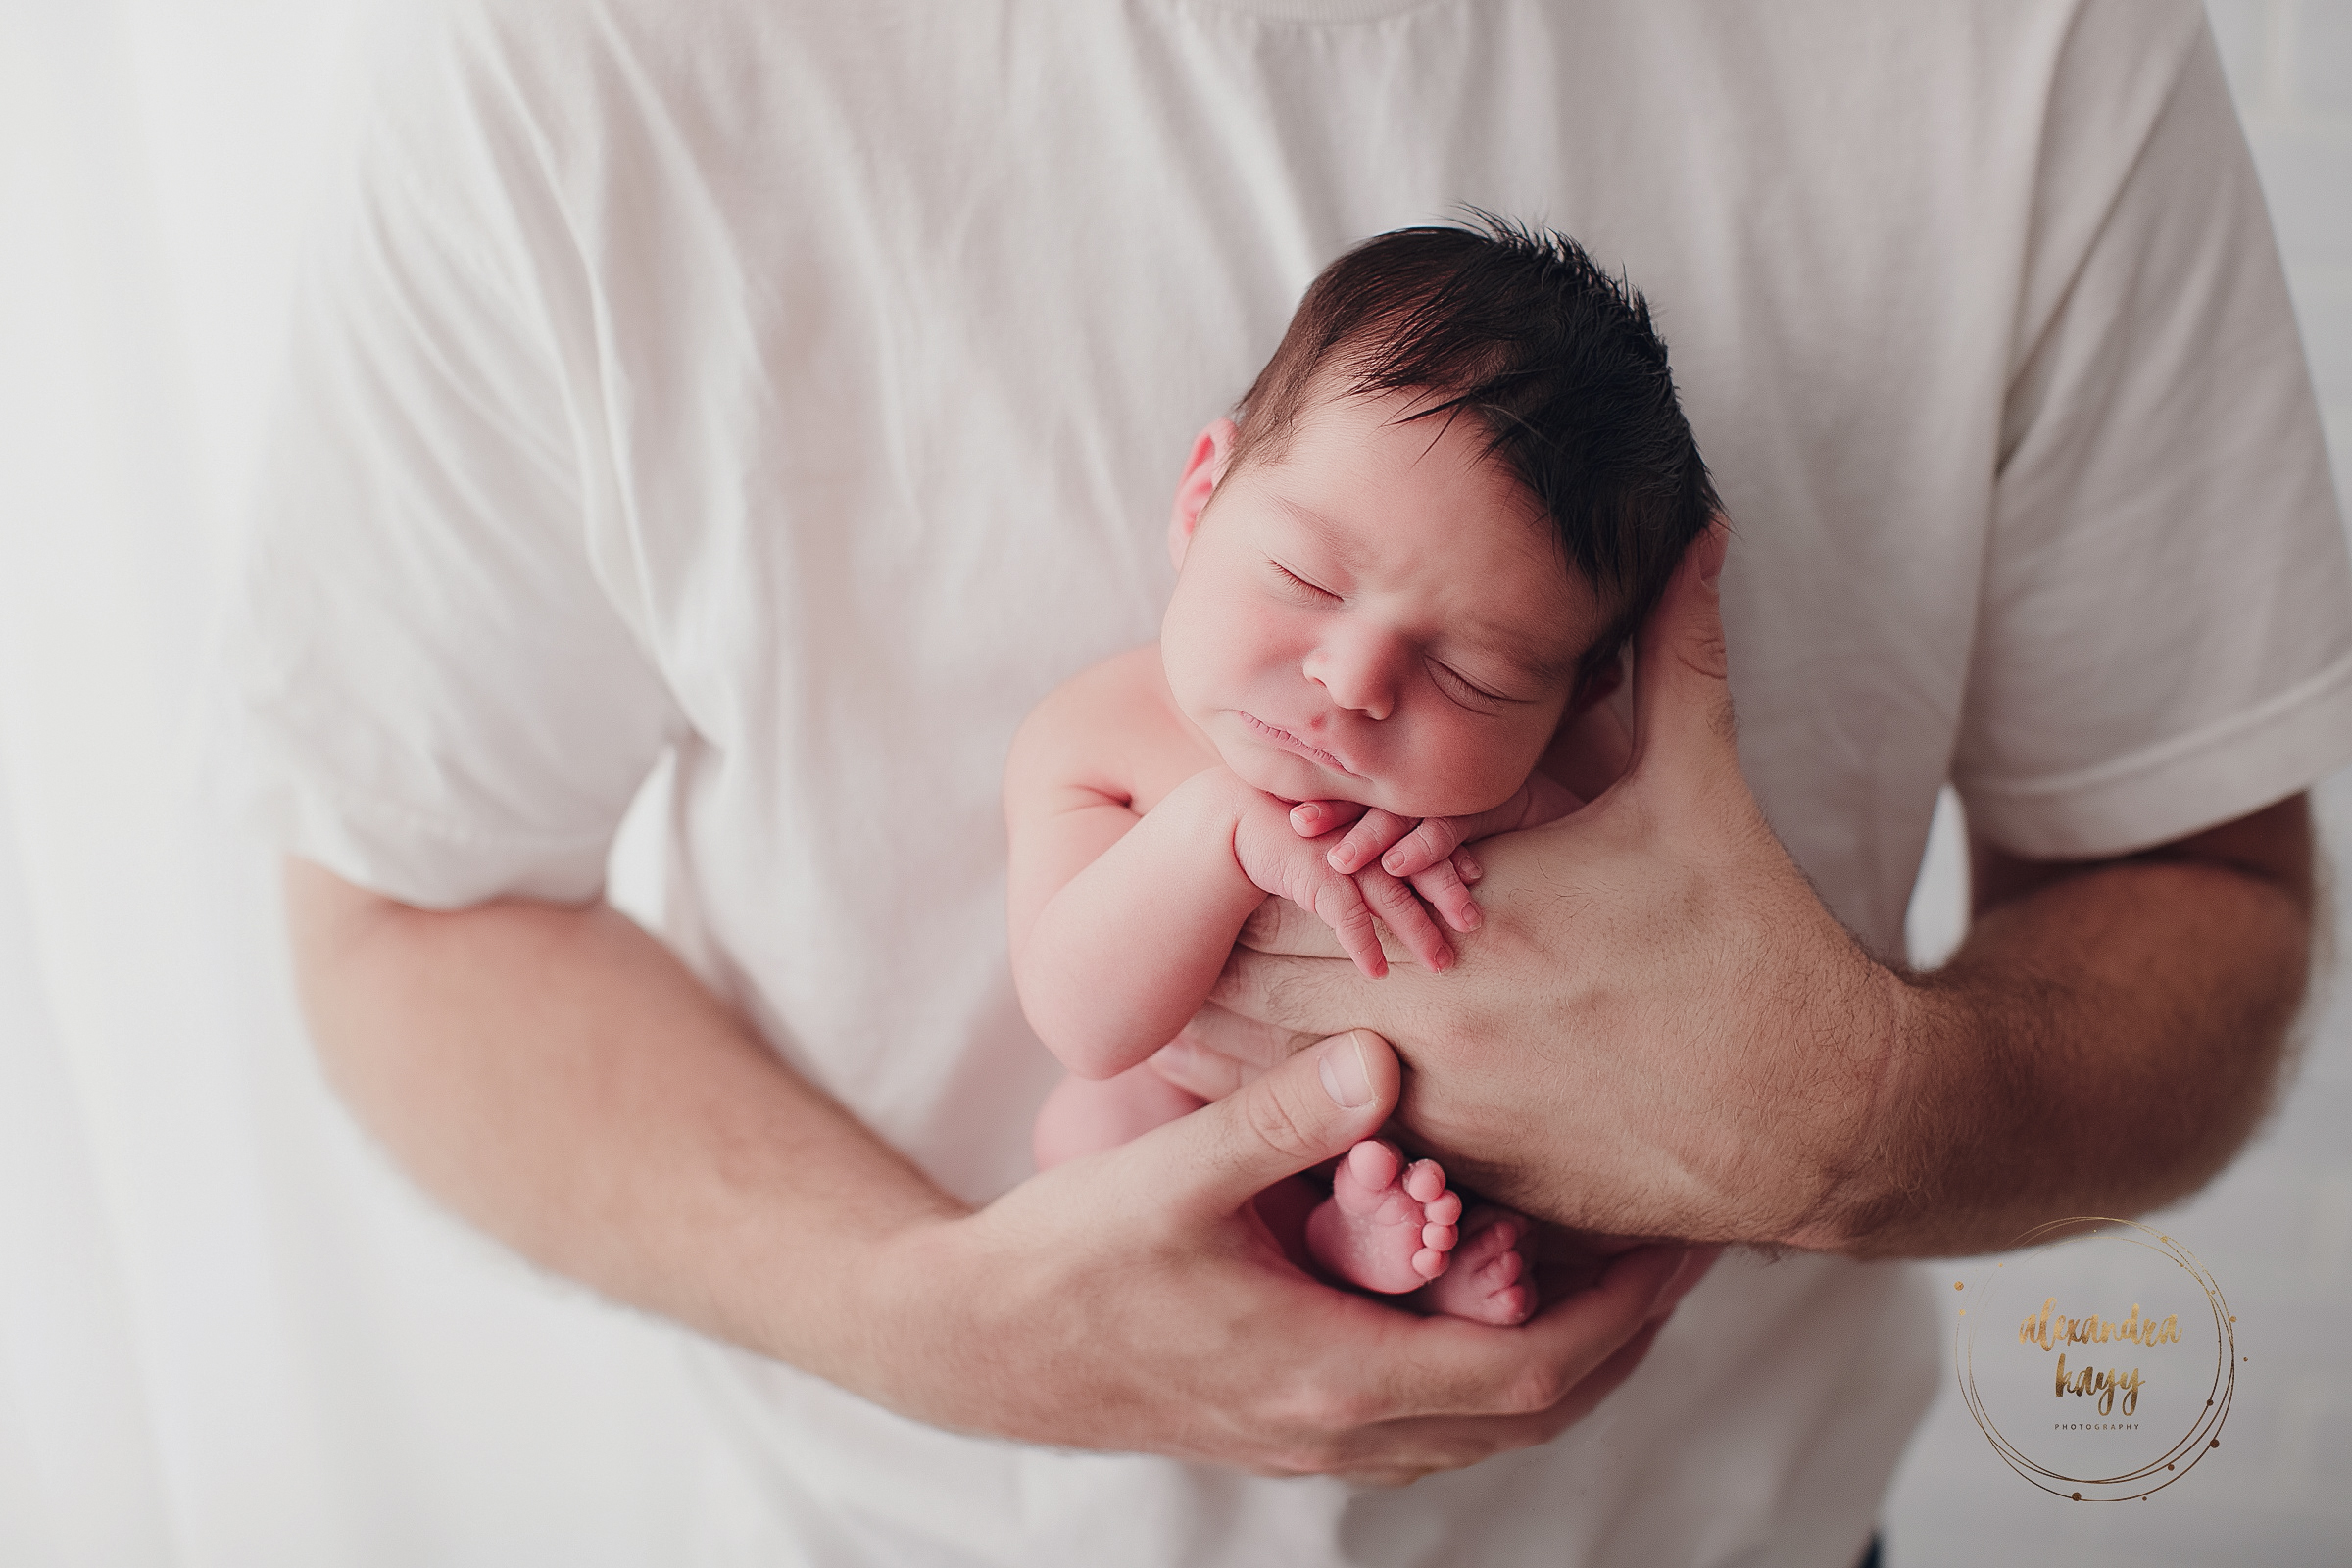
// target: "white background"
[[228, 1334]]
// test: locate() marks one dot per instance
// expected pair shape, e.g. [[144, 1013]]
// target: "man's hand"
[[1134, 1300], [1661, 1031], [554, 1075], [1711, 1041]]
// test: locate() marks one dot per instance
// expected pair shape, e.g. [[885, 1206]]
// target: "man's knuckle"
[[1708, 655], [1534, 1389], [1306, 1459], [1271, 1119], [1313, 1414], [1309, 1441]]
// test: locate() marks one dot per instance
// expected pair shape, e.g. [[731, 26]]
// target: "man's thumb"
[[1315, 1107], [1682, 670]]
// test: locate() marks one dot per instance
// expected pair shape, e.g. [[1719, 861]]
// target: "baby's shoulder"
[[1113, 726], [1132, 677]]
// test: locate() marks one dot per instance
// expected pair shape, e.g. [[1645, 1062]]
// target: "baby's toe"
[[1374, 1163], [1502, 1235], [1425, 1180]]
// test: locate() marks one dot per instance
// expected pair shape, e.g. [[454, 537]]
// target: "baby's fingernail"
[[1473, 917], [1471, 870], [1305, 815], [1343, 1074]]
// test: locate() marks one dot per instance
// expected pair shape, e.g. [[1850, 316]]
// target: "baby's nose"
[[1358, 672]]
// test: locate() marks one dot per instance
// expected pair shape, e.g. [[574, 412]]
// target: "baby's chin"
[[1295, 778]]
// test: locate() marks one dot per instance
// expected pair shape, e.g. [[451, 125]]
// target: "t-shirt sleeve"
[[2164, 635], [440, 693]]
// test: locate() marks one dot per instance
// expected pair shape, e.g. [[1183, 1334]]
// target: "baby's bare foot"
[[1488, 1281], [1387, 1227]]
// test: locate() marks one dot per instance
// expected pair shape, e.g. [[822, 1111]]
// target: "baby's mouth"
[[1284, 738]]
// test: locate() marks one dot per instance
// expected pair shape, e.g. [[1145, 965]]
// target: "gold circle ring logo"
[[2014, 1338]]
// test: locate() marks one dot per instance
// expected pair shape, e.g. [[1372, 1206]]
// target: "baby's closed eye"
[[1464, 692]]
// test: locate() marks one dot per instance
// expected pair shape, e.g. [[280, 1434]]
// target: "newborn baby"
[[1414, 555]]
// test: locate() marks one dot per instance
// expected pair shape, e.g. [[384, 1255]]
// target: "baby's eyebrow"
[[1334, 537], [1522, 653]]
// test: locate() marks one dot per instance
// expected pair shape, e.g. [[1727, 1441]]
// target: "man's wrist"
[[1872, 1156], [899, 1327]]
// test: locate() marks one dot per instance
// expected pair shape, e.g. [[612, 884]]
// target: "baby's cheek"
[[1469, 782], [1509, 761]]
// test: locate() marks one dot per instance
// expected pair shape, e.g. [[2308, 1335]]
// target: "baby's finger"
[[1311, 819], [1342, 909], [1433, 841], [1367, 839], [1441, 886], [1407, 917], [1466, 867]]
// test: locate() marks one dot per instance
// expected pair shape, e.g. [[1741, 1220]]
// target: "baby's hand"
[[1276, 858], [1427, 854], [1444, 879]]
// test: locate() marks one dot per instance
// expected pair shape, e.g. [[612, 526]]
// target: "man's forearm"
[[561, 1080], [2102, 1044], [557, 1077]]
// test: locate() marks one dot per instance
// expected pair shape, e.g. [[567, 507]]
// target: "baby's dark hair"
[[1556, 358]]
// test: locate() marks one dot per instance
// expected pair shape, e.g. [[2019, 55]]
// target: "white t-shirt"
[[798, 389]]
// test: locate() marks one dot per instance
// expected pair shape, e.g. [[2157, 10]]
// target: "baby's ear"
[[1599, 681], [1593, 746], [1213, 450]]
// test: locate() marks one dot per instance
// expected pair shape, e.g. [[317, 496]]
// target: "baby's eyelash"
[[1450, 675], [1304, 588]]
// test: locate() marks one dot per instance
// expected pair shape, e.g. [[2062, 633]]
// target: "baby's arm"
[[1121, 922]]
